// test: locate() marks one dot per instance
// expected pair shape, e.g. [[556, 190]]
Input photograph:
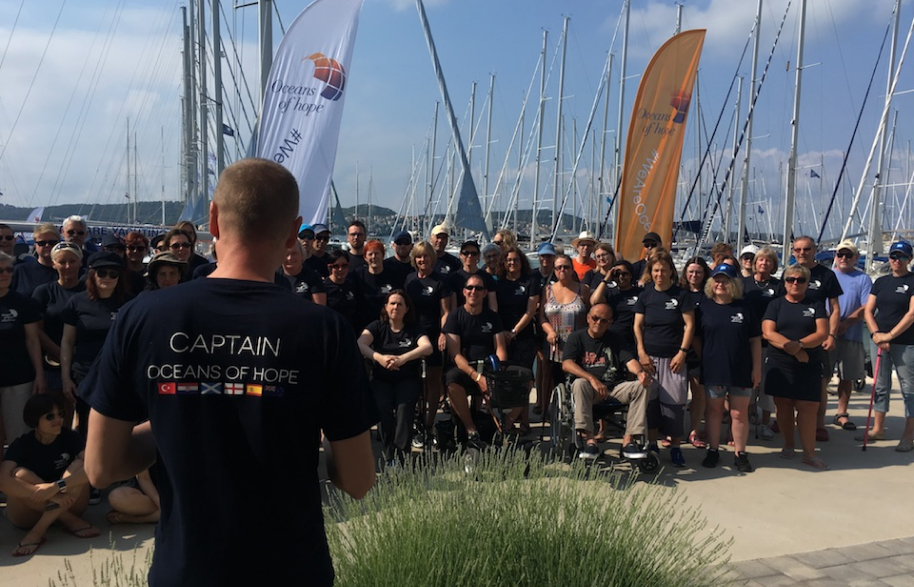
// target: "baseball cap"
[[652, 236], [305, 228], [440, 229], [105, 259], [748, 250], [725, 269], [847, 246], [546, 249], [899, 247], [111, 240], [319, 228], [403, 235]]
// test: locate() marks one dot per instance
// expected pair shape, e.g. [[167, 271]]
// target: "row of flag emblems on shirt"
[[217, 388]]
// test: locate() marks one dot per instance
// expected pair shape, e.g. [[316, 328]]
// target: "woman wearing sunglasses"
[[889, 315], [87, 319], [22, 372], [29, 276], [43, 478], [179, 243], [795, 327], [344, 293]]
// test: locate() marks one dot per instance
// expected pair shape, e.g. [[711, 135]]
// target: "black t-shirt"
[[202, 270], [663, 323], [795, 321], [477, 333], [593, 278], [319, 264], [348, 300], [605, 358], [398, 270], [307, 283], [28, 276], [388, 342], [544, 280], [16, 311], [356, 262], [426, 294], [447, 264], [823, 285], [760, 294], [725, 330], [48, 461], [237, 390], [457, 279], [52, 302], [893, 299], [92, 321], [513, 297], [374, 289], [623, 306]]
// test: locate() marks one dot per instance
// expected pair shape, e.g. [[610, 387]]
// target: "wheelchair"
[[565, 440]]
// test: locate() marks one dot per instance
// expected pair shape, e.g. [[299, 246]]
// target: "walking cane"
[[869, 414]]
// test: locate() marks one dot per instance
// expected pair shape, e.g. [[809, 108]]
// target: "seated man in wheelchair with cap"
[[597, 357]]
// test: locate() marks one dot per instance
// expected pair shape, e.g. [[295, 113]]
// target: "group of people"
[[104, 343]]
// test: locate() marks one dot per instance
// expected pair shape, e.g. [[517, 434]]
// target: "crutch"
[[869, 414]]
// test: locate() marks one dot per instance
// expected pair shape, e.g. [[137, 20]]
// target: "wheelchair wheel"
[[560, 431], [650, 463], [471, 456]]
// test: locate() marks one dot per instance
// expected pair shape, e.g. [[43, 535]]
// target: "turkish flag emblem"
[[167, 389]]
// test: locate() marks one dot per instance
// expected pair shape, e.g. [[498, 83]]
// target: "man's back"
[[238, 378]]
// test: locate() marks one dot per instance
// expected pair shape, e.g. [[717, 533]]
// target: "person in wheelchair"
[[473, 333], [596, 357]]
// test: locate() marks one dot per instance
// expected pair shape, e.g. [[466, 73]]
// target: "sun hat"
[[584, 237], [546, 249]]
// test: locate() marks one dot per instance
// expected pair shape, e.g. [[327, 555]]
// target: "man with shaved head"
[[239, 380]]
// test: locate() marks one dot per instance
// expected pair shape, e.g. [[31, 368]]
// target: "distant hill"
[[147, 212]]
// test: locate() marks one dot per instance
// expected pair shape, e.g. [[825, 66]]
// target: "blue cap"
[[546, 249], [403, 235], [903, 248], [305, 227], [319, 228], [725, 269]]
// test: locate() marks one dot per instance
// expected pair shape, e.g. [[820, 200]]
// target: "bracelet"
[[478, 377], [683, 350], [835, 336]]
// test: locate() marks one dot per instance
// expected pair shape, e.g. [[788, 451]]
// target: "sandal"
[[665, 442], [847, 424], [787, 453], [815, 463], [696, 441], [870, 437]]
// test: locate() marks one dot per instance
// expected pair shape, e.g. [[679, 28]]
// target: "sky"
[[73, 73]]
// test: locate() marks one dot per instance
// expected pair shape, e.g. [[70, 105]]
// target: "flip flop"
[[815, 463], [37, 545], [787, 453], [696, 441], [78, 532]]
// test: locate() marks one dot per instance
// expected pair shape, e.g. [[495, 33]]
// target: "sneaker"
[[905, 445], [473, 436], [742, 463], [676, 457], [711, 459], [95, 496], [764, 432], [633, 451], [418, 441], [589, 453]]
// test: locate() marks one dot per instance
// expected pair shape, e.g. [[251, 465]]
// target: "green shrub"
[[520, 521]]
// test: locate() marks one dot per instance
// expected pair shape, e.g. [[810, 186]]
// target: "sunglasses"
[[7, 237], [563, 267], [339, 266], [106, 273], [802, 249], [115, 248], [474, 288], [322, 238], [898, 257], [306, 237], [599, 320], [51, 416], [402, 243], [797, 280], [470, 253], [497, 242], [46, 243], [176, 246], [620, 274], [845, 255], [649, 244], [6, 270], [75, 232], [136, 248]]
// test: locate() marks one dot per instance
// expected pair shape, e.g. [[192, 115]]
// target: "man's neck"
[[245, 263]]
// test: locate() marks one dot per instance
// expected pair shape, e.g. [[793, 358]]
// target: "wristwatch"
[[61, 485]]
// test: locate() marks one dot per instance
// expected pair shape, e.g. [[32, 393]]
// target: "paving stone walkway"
[[887, 563]]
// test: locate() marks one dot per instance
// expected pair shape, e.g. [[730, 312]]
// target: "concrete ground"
[[790, 524]]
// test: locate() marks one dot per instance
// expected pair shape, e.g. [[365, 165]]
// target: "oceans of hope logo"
[[331, 72]]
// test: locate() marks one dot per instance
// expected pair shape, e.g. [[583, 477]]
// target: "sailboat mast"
[[136, 167], [794, 138], [744, 189], [127, 191], [558, 132], [204, 139], [188, 117], [728, 218], [617, 155], [485, 175], [539, 144], [217, 90], [601, 191], [431, 176], [265, 18], [874, 234]]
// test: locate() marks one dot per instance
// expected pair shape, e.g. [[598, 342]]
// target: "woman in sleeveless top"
[[563, 311]]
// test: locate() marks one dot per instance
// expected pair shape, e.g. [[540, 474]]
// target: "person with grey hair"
[[75, 230]]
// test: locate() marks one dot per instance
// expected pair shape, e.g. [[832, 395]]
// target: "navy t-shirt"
[[725, 330], [623, 306], [823, 285], [28, 276], [795, 321], [605, 358], [347, 299], [398, 270], [52, 302], [388, 342], [307, 283], [426, 294], [237, 390], [92, 321], [375, 288], [15, 312], [48, 461], [893, 299], [319, 264], [477, 333], [760, 294], [663, 323], [513, 297], [447, 264], [457, 279]]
